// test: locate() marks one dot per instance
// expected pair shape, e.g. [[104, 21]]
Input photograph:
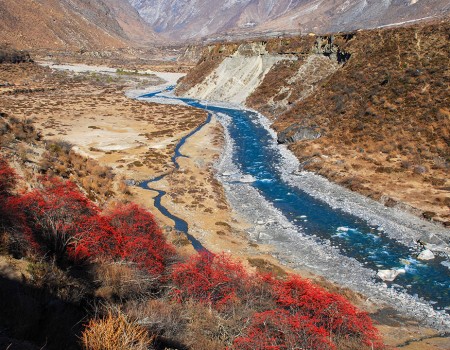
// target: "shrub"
[[121, 281], [278, 329], [211, 279], [8, 179], [115, 332], [54, 214], [326, 310], [139, 239]]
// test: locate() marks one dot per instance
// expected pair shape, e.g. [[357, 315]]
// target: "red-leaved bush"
[[209, 278], [54, 212], [8, 179], [138, 238], [66, 223], [326, 310], [128, 233], [279, 329]]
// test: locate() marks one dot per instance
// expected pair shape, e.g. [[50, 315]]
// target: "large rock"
[[389, 275], [426, 255], [296, 133], [247, 179]]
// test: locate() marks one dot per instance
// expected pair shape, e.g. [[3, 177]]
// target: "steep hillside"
[[199, 18], [238, 75], [368, 109], [70, 24], [131, 22], [331, 16]]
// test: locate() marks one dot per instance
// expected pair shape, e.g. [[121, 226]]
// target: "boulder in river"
[[426, 255], [389, 275], [247, 179]]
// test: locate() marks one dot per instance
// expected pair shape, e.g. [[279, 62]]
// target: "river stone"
[[389, 275], [426, 255], [247, 179]]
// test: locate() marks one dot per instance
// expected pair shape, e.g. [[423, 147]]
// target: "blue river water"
[[429, 280]]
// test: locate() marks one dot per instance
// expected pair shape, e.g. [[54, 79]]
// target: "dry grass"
[[121, 281], [114, 332]]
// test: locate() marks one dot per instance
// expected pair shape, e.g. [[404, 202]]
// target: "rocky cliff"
[[367, 109]]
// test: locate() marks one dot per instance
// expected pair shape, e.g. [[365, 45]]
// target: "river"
[[322, 227]]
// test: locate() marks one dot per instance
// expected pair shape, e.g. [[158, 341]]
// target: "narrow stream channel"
[[353, 237], [180, 224]]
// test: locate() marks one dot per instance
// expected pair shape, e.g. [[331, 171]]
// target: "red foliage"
[[279, 329], [327, 310], [138, 238], [54, 213], [209, 278], [93, 238], [63, 221], [8, 179]]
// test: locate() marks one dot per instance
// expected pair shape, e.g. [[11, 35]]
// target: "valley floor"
[[137, 140]]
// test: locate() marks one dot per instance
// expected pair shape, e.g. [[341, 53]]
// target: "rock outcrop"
[[10, 55], [238, 75]]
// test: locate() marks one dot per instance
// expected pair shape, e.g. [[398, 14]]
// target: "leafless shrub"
[[122, 281], [115, 331]]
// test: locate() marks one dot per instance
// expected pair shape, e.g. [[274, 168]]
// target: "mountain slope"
[[198, 18], [131, 22], [332, 16], [69, 24], [181, 20]]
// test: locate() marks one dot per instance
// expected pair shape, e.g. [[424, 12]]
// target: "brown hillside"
[[385, 118], [50, 24]]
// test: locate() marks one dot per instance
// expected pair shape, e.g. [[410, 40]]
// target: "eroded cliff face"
[[367, 109], [263, 73], [238, 75]]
